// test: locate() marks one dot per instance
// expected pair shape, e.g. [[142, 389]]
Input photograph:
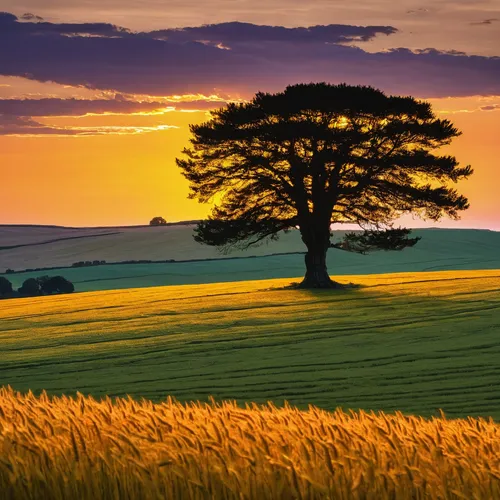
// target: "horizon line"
[[195, 221]]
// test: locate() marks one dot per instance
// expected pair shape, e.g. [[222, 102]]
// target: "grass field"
[[58, 449], [410, 342]]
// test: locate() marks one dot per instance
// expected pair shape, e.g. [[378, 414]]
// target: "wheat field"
[[81, 448]]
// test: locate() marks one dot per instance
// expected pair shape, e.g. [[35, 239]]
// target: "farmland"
[[56, 448], [416, 334], [439, 250], [413, 342]]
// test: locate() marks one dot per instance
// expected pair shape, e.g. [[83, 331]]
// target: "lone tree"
[[157, 221], [316, 155]]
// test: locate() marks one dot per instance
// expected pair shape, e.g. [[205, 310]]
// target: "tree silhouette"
[[157, 221], [5, 286], [316, 155], [30, 288], [56, 284]]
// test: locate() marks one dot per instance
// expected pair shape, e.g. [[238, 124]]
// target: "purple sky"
[[442, 24], [235, 59]]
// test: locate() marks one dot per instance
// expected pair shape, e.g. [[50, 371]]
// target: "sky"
[[96, 97]]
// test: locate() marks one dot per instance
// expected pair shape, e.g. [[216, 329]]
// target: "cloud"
[[472, 109], [27, 127], [490, 107], [421, 10], [236, 33], [81, 107], [31, 17], [10, 24], [17, 116], [486, 21], [195, 60], [72, 107]]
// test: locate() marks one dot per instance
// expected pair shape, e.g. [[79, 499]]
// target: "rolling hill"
[[439, 249]]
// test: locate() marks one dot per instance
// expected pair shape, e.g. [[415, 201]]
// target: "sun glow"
[[112, 145]]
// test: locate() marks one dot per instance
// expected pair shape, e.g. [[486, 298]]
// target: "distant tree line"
[[34, 287], [82, 263], [87, 263]]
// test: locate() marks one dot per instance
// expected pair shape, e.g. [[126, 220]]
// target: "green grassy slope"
[[412, 342], [114, 245], [39, 248], [439, 249]]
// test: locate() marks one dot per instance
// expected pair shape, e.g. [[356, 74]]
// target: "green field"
[[413, 342], [438, 250]]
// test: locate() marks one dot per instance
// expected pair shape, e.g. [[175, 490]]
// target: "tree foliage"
[[56, 284], [30, 288], [367, 241], [45, 285], [5, 286], [316, 155], [157, 221]]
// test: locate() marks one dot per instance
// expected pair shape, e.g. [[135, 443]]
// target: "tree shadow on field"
[[337, 290]]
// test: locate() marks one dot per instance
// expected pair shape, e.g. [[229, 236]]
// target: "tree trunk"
[[316, 272]]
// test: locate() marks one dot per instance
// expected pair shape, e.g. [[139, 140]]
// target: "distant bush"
[[157, 221], [30, 288], [5, 287], [9, 271], [56, 284]]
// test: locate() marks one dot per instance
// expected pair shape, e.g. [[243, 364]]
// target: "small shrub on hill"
[[9, 271]]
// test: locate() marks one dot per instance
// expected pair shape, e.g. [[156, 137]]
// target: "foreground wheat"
[[80, 448]]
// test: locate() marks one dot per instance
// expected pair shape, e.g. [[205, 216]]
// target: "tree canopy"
[[316, 155], [157, 221], [5, 286]]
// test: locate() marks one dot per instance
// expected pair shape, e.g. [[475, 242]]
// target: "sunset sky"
[[96, 97]]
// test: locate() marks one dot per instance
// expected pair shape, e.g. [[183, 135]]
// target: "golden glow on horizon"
[[124, 175], [73, 132]]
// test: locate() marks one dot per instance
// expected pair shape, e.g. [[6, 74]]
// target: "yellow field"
[[79, 448]]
